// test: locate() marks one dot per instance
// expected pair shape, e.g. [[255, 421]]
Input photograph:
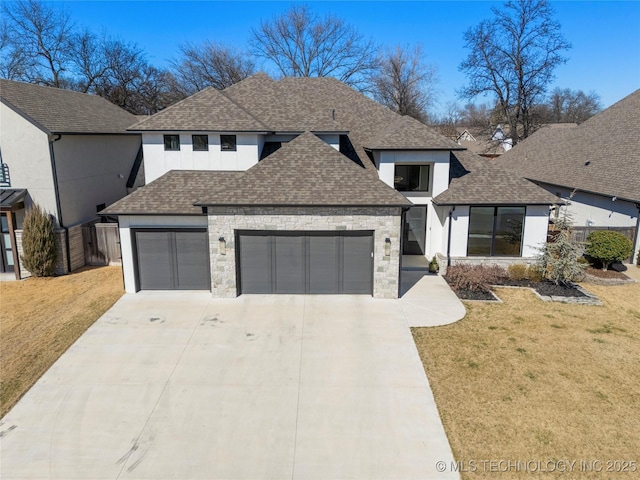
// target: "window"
[[200, 143], [495, 231], [411, 178], [228, 143], [171, 142]]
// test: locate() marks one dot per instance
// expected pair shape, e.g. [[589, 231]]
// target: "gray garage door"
[[310, 262], [172, 259]]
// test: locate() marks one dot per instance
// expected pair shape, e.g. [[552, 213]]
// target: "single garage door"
[[309, 262], [172, 259]]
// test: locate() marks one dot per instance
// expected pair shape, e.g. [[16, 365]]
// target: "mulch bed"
[[606, 274], [546, 289], [475, 295]]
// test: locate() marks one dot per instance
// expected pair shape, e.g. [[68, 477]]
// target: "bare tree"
[[13, 61], [89, 60], [301, 44], [405, 83], [209, 64], [41, 37], [513, 56], [130, 81], [573, 106]]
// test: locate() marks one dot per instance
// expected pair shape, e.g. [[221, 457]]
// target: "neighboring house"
[[594, 167], [304, 185], [69, 152]]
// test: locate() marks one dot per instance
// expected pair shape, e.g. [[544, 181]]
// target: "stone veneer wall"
[[385, 222], [500, 261], [61, 261]]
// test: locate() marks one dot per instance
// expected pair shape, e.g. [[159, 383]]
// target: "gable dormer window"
[[228, 143], [200, 143], [171, 143], [411, 178]]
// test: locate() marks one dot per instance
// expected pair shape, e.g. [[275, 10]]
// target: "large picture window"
[[411, 178], [495, 231]]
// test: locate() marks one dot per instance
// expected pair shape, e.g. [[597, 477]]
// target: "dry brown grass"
[[41, 317], [530, 380]]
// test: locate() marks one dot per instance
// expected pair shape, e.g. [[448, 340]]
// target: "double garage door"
[[172, 259], [309, 262]]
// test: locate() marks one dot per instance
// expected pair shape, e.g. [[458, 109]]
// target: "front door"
[[414, 231], [6, 255]]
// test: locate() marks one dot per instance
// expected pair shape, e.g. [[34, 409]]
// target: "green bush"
[[608, 246], [38, 243]]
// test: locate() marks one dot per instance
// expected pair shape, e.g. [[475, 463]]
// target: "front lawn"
[[528, 380], [41, 317]]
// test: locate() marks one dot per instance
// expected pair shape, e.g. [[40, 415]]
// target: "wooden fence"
[[580, 234], [101, 244]]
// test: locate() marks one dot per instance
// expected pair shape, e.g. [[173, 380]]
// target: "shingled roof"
[[305, 172], [173, 193], [477, 181], [288, 177], [207, 110], [57, 111], [602, 155]]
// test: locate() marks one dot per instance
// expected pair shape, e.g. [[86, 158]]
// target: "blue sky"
[[605, 35]]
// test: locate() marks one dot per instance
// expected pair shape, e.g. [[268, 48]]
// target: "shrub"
[[474, 277], [608, 246], [433, 265], [559, 260], [38, 243], [518, 271]]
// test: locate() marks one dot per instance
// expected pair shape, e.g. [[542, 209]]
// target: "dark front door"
[[414, 231], [172, 259], [309, 262]]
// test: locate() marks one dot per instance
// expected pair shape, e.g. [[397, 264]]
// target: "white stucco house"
[[594, 168], [69, 152], [304, 185]]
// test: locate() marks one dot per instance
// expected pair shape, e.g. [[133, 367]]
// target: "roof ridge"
[[172, 106], [260, 121]]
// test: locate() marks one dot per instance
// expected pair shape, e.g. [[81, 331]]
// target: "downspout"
[[636, 250], [56, 191], [449, 237]]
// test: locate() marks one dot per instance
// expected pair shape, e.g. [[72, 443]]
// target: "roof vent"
[[587, 163]]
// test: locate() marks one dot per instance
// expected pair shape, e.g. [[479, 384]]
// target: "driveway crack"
[[295, 436], [138, 440]]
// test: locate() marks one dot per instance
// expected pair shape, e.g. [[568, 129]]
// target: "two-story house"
[[304, 185], [67, 151]]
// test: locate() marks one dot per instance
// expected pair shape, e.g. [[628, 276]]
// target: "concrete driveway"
[[181, 386]]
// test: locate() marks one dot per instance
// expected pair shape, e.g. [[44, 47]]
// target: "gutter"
[[56, 190]]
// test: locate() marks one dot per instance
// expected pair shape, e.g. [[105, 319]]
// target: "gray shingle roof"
[[207, 110], [306, 171], [173, 193], [63, 111], [281, 109], [478, 181], [601, 155], [369, 123]]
